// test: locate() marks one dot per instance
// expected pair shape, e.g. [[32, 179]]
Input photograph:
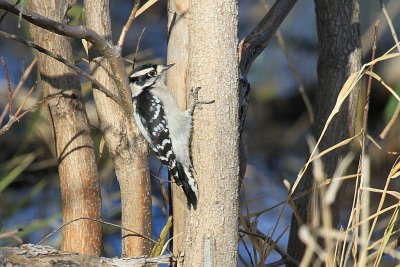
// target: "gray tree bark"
[[339, 49], [208, 31], [74, 147], [126, 146]]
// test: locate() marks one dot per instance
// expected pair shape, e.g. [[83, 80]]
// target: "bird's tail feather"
[[188, 185]]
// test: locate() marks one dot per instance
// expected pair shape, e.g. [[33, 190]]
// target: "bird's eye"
[[151, 73]]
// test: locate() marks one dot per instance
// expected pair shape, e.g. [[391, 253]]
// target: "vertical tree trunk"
[[127, 148], [74, 147], [339, 56], [211, 234], [178, 53]]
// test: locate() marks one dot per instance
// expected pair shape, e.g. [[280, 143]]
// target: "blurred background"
[[276, 127]]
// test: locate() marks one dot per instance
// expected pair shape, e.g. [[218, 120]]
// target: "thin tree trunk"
[[339, 56], [127, 148], [178, 53], [74, 147], [211, 234]]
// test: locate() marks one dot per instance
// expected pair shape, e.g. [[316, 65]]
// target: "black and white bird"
[[164, 125]]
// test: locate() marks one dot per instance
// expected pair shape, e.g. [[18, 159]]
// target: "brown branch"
[[19, 86], [250, 47], [256, 41], [14, 119], [59, 58], [128, 25], [101, 44], [9, 93], [80, 31], [5, 13], [26, 99]]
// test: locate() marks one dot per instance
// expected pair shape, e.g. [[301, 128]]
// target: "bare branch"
[[5, 13], [64, 61], [26, 99], [9, 93], [297, 76], [128, 24], [14, 119], [137, 47], [19, 86], [256, 41], [101, 44], [80, 31]]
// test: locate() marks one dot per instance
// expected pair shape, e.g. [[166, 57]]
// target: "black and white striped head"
[[146, 76]]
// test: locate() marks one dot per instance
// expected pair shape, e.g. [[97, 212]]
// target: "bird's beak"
[[168, 67]]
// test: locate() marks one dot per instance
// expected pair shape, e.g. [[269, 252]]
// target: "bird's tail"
[[188, 184]]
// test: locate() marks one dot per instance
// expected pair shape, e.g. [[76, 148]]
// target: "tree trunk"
[[74, 147], [178, 53], [127, 148], [339, 56], [211, 231]]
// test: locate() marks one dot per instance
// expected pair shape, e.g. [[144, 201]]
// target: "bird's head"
[[146, 76]]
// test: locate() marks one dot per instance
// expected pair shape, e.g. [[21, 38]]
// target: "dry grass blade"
[[373, 141], [343, 94], [392, 193], [379, 79], [157, 249], [396, 40], [386, 236]]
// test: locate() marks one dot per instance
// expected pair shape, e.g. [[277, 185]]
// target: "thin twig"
[[59, 58], [271, 243], [146, 6], [366, 107], [26, 99], [5, 13], [9, 92], [14, 119], [96, 220], [128, 25], [102, 45], [19, 86], [137, 47], [297, 76]]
